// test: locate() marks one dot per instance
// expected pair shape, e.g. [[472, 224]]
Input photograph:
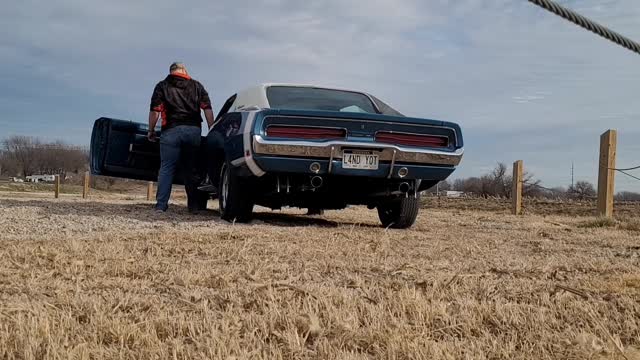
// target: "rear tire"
[[400, 213], [235, 196]]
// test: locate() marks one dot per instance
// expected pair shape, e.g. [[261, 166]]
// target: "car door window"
[[225, 108], [230, 124]]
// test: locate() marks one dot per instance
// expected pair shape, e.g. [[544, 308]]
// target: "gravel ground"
[[108, 278]]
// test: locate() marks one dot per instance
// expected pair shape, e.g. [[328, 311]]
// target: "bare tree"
[[501, 180], [531, 186], [21, 150], [8, 166], [458, 184], [582, 190], [29, 155], [497, 183]]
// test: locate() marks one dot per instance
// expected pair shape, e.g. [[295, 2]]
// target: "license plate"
[[359, 160]]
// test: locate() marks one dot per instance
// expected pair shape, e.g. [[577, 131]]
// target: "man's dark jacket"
[[179, 99]]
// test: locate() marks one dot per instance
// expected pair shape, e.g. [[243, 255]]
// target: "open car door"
[[120, 148]]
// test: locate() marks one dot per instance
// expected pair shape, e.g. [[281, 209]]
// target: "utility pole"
[[572, 174]]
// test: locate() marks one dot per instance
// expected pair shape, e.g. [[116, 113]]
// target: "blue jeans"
[[179, 148]]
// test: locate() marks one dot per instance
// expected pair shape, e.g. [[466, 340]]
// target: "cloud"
[[522, 82]]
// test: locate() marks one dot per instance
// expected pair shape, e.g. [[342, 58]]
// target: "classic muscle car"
[[279, 145]]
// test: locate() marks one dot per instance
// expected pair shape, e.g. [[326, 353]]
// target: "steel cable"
[[588, 24], [629, 175], [627, 169]]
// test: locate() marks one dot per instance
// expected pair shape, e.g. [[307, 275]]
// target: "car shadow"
[[292, 220]]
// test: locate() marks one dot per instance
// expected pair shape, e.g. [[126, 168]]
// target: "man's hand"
[[151, 135]]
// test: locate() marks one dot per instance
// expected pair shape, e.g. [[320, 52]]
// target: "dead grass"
[[106, 278], [600, 222], [542, 207], [630, 224], [40, 188]]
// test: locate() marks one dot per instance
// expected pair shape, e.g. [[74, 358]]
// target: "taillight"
[[412, 139], [305, 132]]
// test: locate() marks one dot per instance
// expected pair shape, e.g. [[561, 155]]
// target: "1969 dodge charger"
[[278, 145]]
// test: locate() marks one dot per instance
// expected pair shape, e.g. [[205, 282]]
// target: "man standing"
[[178, 100]]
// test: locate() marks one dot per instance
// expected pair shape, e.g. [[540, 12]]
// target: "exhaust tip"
[[315, 167], [316, 181], [404, 187]]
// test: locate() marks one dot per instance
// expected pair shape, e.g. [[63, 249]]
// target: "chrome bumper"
[[333, 149]]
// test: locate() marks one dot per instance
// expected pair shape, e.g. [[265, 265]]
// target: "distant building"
[[40, 178], [452, 194]]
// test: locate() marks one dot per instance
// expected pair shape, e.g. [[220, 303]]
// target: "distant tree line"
[[497, 183], [24, 155]]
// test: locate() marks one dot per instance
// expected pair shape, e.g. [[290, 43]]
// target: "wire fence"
[[624, 171], [562, 193], [627, 169], [575, 194], [629, 175]]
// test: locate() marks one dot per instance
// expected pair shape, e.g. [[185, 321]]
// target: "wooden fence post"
[[516, 188], [150, 191], [85, 189], [56, 188], [606, 173]]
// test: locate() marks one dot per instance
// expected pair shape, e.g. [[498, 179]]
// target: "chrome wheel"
[[224, 192]]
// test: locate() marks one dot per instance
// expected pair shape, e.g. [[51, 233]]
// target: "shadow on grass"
[[292, 220]]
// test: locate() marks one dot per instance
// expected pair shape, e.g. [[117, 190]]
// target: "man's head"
[[178, 67]]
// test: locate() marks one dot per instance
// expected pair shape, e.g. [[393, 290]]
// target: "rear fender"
[[231, 141]]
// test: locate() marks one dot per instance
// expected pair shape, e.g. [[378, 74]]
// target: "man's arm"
[[156, 108], [153, 121], [208, 114], [205, 104]]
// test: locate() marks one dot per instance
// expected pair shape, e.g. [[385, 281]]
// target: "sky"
[[522, 82]]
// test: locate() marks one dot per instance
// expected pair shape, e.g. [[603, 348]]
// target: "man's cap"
[[177, 65]]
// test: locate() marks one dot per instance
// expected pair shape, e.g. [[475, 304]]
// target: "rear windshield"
[[306, 98]]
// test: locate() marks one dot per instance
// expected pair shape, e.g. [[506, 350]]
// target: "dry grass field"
[[106, 278]]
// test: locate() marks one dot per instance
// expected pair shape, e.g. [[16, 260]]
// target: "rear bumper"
[[293, 165], [332, 150]]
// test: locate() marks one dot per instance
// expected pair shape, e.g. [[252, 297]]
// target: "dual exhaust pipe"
[[316, 182]]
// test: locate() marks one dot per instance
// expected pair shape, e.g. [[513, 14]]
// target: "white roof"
[[256, 96], [266, 85]]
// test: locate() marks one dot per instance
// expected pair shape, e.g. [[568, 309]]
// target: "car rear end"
[[358, 145]]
